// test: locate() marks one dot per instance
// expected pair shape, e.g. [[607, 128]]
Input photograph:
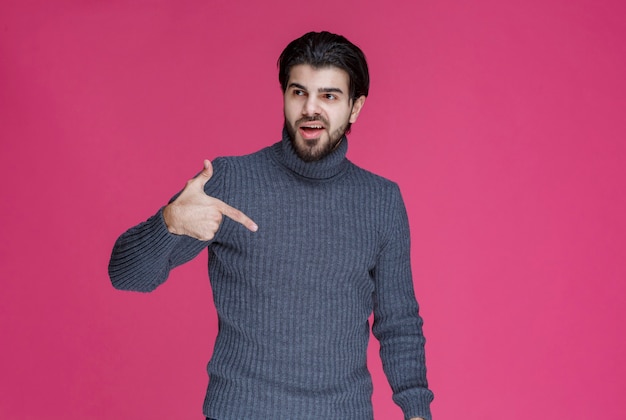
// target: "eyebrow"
[[320, 90]]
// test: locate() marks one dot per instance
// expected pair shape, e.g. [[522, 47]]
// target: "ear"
[[356, 108]]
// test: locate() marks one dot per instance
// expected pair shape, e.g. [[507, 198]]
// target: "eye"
[[330, 96], [299, 92]]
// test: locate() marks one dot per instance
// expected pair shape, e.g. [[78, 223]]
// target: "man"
[[310, 246]]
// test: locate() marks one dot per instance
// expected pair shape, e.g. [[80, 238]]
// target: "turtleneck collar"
[[325, 168]]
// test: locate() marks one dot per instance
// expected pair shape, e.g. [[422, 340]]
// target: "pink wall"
[[503, 122]]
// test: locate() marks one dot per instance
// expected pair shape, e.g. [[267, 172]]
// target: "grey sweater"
[[293, 299]]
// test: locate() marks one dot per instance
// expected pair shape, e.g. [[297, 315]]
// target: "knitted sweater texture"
[[293, 299]]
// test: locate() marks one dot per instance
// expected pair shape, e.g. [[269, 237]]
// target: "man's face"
[[318, 109]]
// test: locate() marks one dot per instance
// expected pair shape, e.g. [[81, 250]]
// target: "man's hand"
[[198, 215]]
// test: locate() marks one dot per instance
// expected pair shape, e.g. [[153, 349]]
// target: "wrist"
[[168, 219]]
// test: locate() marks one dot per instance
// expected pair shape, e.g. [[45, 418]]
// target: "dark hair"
[[324, 49]]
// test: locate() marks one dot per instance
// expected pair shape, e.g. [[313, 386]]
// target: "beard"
[[314, 150]]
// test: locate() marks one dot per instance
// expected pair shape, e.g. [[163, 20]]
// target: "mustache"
[[311, 119]]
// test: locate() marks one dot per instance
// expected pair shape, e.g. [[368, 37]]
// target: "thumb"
[[207, 171], [204, 175], [198, 181]]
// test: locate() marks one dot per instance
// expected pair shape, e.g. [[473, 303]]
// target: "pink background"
[[502, 121]]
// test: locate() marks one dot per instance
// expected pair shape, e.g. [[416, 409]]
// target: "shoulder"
[[382, 185], [228, 171], [250, 160]]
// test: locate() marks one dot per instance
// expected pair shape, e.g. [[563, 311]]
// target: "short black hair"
[[325, 49]]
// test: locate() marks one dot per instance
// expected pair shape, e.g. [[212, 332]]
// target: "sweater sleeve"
[[144, 255], [397, 323]]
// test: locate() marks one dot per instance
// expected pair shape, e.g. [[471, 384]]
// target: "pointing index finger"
[[238, 216]]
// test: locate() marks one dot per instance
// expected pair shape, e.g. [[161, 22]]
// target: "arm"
[[144, 255], [397, 324]]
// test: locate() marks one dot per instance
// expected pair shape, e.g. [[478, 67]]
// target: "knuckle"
[[217, 218], [207, 233]]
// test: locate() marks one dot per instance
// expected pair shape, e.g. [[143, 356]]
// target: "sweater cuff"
[[140, 256], [415, 403]]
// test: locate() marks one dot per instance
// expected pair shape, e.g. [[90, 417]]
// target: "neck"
[[327, 167]]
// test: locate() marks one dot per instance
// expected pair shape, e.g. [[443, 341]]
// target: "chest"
[[308, 233]]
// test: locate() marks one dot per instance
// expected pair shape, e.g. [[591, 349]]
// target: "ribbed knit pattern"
[[293, 299]]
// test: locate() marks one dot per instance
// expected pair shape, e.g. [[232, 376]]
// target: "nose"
[[311, 106]]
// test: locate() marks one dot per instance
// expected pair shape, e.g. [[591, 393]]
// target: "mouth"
[[311, 130]]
